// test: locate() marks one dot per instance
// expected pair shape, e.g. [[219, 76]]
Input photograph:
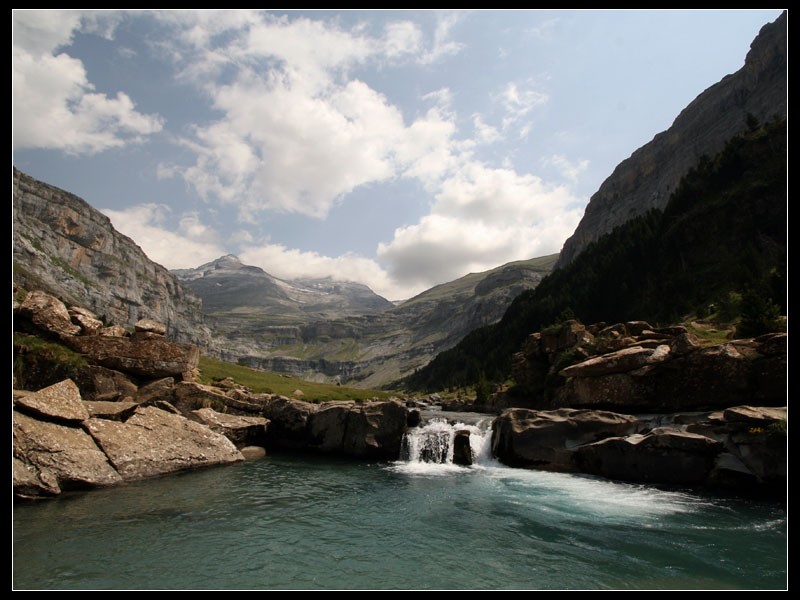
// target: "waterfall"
[[435, 442]]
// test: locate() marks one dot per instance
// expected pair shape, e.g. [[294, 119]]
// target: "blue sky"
[[400, 149]]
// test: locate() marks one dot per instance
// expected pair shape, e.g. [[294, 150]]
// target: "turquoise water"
[[317, 523]]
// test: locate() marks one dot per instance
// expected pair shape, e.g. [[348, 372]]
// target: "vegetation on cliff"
[[718, 250]]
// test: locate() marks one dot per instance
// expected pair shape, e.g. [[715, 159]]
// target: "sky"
[[399, 149]]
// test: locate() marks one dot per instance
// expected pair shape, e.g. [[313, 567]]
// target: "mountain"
[[64, 246], [320, 329], [754, 94], [718, 249], [226, 285], [325, 330]]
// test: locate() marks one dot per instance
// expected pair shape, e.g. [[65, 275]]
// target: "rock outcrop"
[[365, 430], [742, 449], [637, 367], [62, 443], [64, 246], [646, 179]]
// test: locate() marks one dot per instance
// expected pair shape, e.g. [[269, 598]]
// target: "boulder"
[[375, 430], [114, 331], [89, 324], [48, 314], [100, 383], [288, 421], [327, 425], [546, 439], [664, 455], [632, 391], [61, 456], [114, 411], [253, 452], [60, 402], [755, 416], [160, 389], [636, 328], [148, 358], [568, 335], [155, 442], [620, 361], [684, 343], [462, 449], [150, 326], [241, 430], [29, 483]]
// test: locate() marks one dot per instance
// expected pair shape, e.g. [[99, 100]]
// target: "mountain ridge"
[[756, 92]]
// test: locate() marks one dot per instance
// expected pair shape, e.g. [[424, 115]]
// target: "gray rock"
[[60, 401], [155, 442], [62, 454], [75, 252]]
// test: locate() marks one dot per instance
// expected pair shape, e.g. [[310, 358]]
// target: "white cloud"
[[53, 103], [482, 218], [289, 263], [485, 132], [443, 45], [402, 37], [568, 169], [518, 101], [295, 134], [193, 245]]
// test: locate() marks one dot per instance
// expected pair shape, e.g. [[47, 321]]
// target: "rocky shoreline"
[[135, 410]]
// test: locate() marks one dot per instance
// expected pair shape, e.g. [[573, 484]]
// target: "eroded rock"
[[60, 401]]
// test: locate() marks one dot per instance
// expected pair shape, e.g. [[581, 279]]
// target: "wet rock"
[[414, 418], [155, 442], [60, 401], [546, 439], [462, 450], [665, 455]]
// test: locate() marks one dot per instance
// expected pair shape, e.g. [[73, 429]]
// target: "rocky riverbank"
[[134, 409]]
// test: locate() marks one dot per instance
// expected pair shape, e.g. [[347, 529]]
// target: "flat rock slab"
[[241, 430], [627, 359], [67, 453], [60, 401], [155, 442], [115, 411]]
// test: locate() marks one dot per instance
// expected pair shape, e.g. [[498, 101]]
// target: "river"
[[312, 522]]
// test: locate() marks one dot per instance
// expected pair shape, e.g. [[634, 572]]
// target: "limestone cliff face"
[[64, 246], [646, 179]]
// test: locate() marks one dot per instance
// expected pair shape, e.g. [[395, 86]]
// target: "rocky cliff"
[[646, 179], [63, 245]]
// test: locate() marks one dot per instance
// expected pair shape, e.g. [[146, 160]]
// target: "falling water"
[[434, 442]]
